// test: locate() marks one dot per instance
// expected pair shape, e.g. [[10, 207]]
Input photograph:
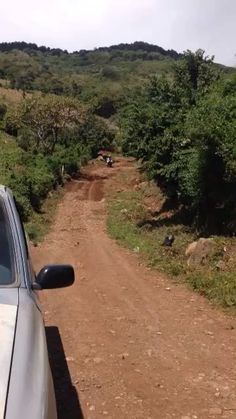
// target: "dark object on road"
[[169, 240], [103, 155], [109, 161]]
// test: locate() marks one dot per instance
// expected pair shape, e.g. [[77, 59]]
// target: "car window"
[[6, 249]]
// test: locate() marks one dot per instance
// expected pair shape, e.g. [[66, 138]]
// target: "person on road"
[[109, 161]]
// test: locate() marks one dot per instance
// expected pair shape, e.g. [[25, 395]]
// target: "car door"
[[31, 393], [30, 388]]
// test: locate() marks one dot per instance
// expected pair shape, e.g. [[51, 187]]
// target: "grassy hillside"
[[62, 107], [102, 77], [82, 74], [46, 133]]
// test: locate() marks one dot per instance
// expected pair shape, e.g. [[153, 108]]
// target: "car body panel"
[[30, 386], [26, 385], [8, 317]]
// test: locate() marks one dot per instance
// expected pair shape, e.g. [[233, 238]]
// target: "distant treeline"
[[135, 46], [139, 46], [29, 47]]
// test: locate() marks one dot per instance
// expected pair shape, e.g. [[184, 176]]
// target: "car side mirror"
[[54, 276]]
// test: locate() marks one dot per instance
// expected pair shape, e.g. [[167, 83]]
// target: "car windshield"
[[6, 250]]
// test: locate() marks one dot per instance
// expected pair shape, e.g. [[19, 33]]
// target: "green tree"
[[184, 131], [43, 120], [195, 74]]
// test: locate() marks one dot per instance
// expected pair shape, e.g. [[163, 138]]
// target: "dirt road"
[[126, 343]]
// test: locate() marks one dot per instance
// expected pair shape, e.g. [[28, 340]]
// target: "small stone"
[[120, 318], [168, 289], [124, 355], [209, 333], [214, 411], [231, 327], [185, 417], [232, 405], [225, 391], [70, 359], [105, 413], [92, 408], [97, 360], [221, 265]]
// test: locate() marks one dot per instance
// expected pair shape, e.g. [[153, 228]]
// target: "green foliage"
[[181, 125], [42, 120], [110, 72], [127, 210], [211, 128], [195, 74], [185, 133], [3, 110], [95, 134], [54, 137], [81, 74]]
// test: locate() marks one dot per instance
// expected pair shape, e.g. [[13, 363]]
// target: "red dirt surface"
[[125, 342]]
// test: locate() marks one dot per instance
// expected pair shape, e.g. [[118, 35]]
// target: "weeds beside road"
[[142, 229]]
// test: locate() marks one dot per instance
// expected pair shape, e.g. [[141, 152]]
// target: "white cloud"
[[76, 24]]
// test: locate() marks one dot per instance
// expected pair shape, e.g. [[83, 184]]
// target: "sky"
[[87, 24]]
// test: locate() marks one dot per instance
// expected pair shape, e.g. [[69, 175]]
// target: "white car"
[[26, 386]]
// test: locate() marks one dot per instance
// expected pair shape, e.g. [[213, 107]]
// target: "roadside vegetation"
[[58, 109], [184, 132], [137, 220], [174, 113]]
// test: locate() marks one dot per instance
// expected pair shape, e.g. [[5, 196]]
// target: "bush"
[[40, 181], [3, 110], [184, 131]]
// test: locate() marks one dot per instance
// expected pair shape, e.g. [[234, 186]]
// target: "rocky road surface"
[[125, 342]]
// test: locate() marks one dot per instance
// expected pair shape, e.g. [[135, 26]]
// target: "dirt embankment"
[[126, 343]]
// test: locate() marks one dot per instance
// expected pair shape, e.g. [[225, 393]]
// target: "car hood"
[[8, 317]]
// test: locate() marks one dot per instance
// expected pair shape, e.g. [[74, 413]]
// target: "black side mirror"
[[54, 276]]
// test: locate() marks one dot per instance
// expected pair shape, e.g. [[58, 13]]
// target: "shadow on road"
[[68, 405]]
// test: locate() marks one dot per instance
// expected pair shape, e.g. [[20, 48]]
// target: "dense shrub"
[[184, 131], [54, 137]]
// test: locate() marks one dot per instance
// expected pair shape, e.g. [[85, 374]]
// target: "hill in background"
[[87, 75], [102, 77]]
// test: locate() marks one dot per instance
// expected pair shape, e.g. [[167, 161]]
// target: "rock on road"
[[124, 342]]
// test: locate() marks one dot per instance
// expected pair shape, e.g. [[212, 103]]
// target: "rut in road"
[[134, 349]]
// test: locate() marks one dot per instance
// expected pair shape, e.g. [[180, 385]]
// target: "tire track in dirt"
[[134, 349]]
